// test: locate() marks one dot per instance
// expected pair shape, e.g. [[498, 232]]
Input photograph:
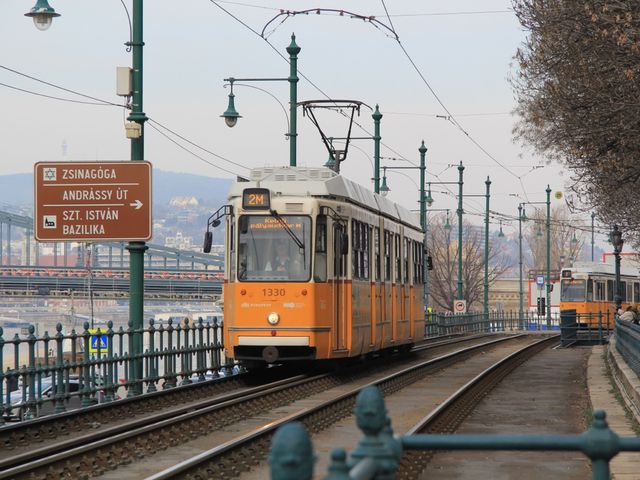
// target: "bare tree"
[[566, 241], [577, 88], [443, 279]]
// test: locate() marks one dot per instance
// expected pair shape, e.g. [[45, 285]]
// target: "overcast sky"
[[463, 48]]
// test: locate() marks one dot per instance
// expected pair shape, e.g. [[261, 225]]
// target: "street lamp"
[[521, 218], [593, 217], [615, 237], [384, 190], [42, 15], [231, 115]]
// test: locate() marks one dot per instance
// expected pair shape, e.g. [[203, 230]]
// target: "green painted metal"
[[293, 50], [378, 453], [377, 116], [521, 293], [102, 375], [425, 227], [231, 112], [137, 249], [460, 295], [291, 455], [548, 279], [486, 250]]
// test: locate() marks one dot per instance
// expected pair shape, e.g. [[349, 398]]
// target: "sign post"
[[92, 201]]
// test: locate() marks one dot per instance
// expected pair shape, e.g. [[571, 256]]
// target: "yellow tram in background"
[[317, 267], [589, 288]]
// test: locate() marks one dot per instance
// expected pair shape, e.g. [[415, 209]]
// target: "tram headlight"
[[273, 318]]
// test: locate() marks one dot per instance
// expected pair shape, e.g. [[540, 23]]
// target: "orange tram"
[[589, 288], [317, 268]]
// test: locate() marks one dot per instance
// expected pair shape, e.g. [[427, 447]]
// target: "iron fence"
[[628, 343], [48, 374]]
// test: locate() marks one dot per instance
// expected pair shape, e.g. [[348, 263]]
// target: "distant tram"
[[317, 268], [589, 288]]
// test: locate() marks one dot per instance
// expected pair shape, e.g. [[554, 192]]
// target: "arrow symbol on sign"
[[137, 204]]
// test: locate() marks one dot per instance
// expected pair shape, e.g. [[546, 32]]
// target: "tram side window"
[[366, 250], [355, 251], [600, 296], [406, 260], [320, 270], [636, 292], [590, 290], [623, 291], [377, 252], [387, 256], [610, 290], [398, 260], [629, 289]]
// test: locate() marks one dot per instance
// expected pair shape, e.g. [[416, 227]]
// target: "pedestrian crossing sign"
[[98, 341]]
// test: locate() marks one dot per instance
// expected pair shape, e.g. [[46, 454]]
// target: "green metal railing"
[[628, 343], [378, 454], [45, 373], [479, 322]]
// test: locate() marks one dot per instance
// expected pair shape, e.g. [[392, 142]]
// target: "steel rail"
[[314, 418], [450, 414], [100, 451]]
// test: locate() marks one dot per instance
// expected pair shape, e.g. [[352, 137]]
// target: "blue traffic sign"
[[540, 280], [98, 342]]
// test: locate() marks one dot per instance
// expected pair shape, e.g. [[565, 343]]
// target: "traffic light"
[[541, 306], [429, 262]]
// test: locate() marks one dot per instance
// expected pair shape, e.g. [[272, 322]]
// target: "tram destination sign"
[[92, 201]]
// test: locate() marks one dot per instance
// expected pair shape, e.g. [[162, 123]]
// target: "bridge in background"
[[68, 268]]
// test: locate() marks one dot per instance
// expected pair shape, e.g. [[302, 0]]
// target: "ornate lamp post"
[[231, 115], [615, 237]]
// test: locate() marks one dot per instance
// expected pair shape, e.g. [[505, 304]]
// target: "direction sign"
[[540, 280], [92, 201]]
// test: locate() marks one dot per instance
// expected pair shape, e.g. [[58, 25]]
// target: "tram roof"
[[322, 182], [597, 267]]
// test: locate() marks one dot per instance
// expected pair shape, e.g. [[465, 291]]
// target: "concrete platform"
[[608, 374]]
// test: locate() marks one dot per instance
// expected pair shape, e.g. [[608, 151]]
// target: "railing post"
[[201, 364], [131, 363], [59, 371], [86, 388], [371, 418], [291, 455], [31, 372], [151, 360], [169, 370], [338, 468], [109, 384], [601, 444]]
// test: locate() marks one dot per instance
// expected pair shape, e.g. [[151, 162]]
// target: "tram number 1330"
[[273, 292]]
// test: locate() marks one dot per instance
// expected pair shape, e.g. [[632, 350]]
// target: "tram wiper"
[[293, 236]]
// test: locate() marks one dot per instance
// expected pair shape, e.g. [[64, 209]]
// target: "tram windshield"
[[573, 290], [274, 248]]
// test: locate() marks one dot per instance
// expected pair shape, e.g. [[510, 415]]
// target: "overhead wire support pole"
[[137, 249], [377, 116], [486, 252], [548, 283], [521, 295], [460, 212]]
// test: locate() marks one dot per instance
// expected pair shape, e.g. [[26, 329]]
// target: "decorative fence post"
[[86, 374], [152, 369], [2, 377], [109, 384], [291, 456], [31, 373], [58, 374]]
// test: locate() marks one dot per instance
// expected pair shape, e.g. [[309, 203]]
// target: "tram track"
[[102, 451], [16, 438], [449, 415]]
